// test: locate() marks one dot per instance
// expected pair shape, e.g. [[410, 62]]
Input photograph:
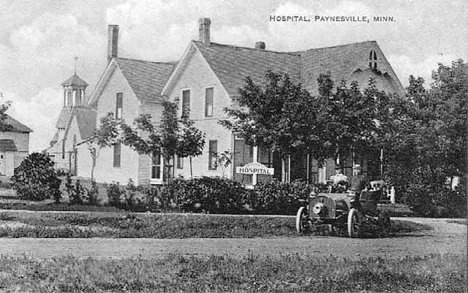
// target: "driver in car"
[[358, 183]]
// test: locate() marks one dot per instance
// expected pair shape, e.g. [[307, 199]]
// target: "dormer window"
[[372, 60]]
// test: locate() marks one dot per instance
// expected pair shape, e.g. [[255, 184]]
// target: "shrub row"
[[216, 195]]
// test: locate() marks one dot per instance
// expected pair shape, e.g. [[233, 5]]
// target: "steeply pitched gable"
[[341, 62], [146, 78], [86, 119]]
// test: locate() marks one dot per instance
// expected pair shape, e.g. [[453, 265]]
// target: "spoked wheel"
[[354, 223], [302, 220]]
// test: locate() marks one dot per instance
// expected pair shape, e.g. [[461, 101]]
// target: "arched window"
[[372, 59]]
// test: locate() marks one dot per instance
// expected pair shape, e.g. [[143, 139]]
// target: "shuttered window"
[[117, 154], [209, 102], [213, 155], [118, 106]]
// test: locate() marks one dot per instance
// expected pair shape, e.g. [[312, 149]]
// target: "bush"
[[75, 192], [207, 194], [92, 194], [427, 201], [114, 194], [279, 198], [36, 179], [224, 196]]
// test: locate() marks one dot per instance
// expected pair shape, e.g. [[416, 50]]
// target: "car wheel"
[[354, 223], [302, 220]]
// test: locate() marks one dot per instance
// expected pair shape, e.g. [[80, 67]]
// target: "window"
[[213, 155], [373, 59], [180, 162], [74, 98], [209, 102], [117, 154], [69, 98], [156, 170], [118, 106], [185, 103]]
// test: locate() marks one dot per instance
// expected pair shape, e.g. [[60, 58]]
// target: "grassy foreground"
[[128, 225], [251, 273]]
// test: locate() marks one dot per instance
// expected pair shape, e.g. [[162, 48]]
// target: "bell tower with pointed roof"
[[74, 91]]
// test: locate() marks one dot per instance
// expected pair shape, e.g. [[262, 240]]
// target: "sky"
[[40, 39]]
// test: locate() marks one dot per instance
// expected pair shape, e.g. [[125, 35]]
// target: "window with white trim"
[[185, 103], [156, 170], [209, 102], [119, 105], [212, 155]]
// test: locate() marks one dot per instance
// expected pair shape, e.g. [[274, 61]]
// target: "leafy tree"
[[166, 139], [191, 141], [350, 118], [426, 141], [278, 115], [105, 136]]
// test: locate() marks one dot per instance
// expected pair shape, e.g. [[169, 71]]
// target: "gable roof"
[[64, 117], [232, 64], [340, 61], [16, 125], [146, 78], [86, 119], [7, 145]]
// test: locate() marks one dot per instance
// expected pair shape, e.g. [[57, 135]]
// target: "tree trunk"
[[92, 169]]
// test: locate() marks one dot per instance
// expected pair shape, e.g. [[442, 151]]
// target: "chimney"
[[112, 42], [260, 45], [204, 30]]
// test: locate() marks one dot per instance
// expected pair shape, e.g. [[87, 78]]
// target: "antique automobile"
[[343, 213]]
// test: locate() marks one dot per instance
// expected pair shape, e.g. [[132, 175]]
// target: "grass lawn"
[[147, 225], [251, 273]]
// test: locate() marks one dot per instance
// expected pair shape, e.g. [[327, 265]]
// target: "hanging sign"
[[255, 169]]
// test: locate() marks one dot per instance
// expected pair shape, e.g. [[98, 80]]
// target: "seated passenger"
[[339, 180]]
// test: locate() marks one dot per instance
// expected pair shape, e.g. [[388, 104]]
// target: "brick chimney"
[[260, 45], [204, 30], [112, 42]]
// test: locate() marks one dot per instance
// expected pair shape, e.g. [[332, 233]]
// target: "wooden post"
[[255, 160]]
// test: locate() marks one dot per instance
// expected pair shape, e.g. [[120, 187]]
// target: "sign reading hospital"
[[255, 169]]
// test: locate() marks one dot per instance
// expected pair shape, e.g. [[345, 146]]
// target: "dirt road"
[[445, 237]]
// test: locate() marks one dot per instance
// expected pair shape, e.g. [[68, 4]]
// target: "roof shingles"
[[233, 64], [7, 145], [16, 125], [147, 79]]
